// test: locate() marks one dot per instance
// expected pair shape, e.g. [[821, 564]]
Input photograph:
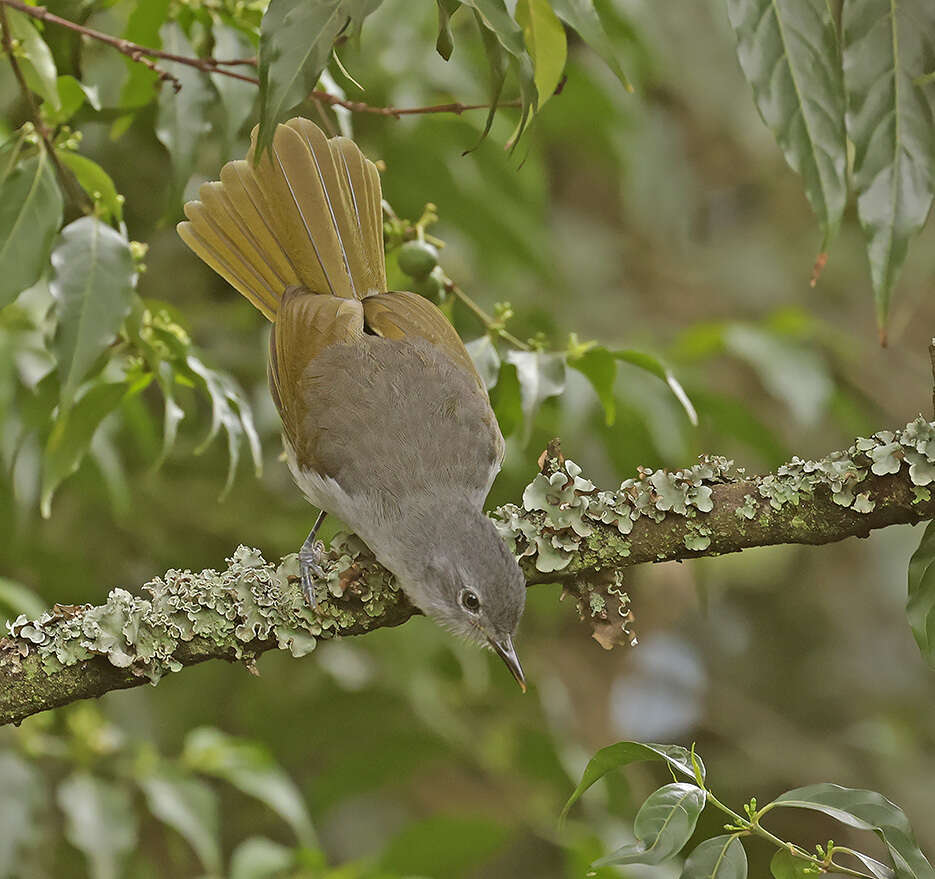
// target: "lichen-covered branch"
[[564, 530]]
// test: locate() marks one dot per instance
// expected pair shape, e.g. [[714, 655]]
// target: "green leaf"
[[251, 769], [72, 94], [93, 287], [182, 118], [497, 67], [599, 366], [35, 58], [652, 364], [886, 45], [866, 810], [495, 18], [722, 857], [72, 434], [625, 753], [296, 37], [507, 401], [30, 214], [97, 183], [445, 43], [260, 858], [785, 865], [788, 52], [190, 807], [99, 821], [237, 96], [920, 608], [546, 44], [664, 823], [486, 359], [444, 845], [541, 375], [143, 25], [19, 599], [583, 18]]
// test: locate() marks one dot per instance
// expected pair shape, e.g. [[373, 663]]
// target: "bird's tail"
[[308, 214]]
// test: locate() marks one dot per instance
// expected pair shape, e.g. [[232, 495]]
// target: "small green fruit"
[[417, 259]]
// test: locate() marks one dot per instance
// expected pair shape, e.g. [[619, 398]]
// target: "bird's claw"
[[310, 570]]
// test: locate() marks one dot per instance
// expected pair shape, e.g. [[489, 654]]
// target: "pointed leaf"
[[654, 365], [97, 183], [664, 823], [886, 46], [866, 810], [788, 52], [546, 44], [497, 67], [35, 58], [541, 375], [445, 43], [581, 16], [72, 94], [99, 821], [623, 754], [237, 96], [93, 287], [182, 118], [30, 214], [260, 858], [921, 605], [72, 434], [506, 399], [722, 857], [252, 770], [600, 367], [295, 44], [190, 807]]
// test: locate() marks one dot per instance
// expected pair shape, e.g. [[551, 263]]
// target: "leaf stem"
[[492, 324]]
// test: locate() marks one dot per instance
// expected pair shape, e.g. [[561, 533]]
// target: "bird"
[[386, 423]]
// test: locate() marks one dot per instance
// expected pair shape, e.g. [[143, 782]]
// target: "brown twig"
[[144, 55]]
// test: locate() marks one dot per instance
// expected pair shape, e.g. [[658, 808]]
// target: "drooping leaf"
[[495, 18], [497, 66], [35, 58], [623, 754], [866, 810], [295, 45], [357, 11], [920, 608], [444, 845], [890, 121], [93, 288], [252, 770], [599, 366], [581, 16], [30, 214], [652, 364], [260, 858], [190, 807], [72, 94], [486, 359], [97, 183], [788, 52], [546, 44], [445, 43], [237, 96], [507, 401], [664, 823], [72, 434], [721, 857], [541, 375], [99, 821], [182, 117]]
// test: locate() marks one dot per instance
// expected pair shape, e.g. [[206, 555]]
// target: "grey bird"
[[386, 423]]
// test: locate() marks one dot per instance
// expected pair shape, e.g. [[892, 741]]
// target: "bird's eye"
[[469, 601]]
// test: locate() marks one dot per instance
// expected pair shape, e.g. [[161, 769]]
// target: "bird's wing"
[[307, 324], [401, 315]]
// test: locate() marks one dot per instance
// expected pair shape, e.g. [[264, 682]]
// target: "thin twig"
[[143, 55], [491, 323]]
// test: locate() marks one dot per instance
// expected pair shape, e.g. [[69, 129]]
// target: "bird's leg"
[[310, 562]]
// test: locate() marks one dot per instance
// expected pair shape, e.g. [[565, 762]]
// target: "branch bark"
[[565, 530]]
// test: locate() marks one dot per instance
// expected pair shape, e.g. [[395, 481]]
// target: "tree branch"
[[566, 530]]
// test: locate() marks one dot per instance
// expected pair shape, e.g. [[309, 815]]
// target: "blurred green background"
[[665, 220]]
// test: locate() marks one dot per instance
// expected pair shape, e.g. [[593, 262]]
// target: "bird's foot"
[[310, 569]]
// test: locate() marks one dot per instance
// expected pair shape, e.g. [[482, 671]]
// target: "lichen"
[[250, 603]]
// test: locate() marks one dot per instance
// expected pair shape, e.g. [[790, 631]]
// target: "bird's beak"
[[507, 653]]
